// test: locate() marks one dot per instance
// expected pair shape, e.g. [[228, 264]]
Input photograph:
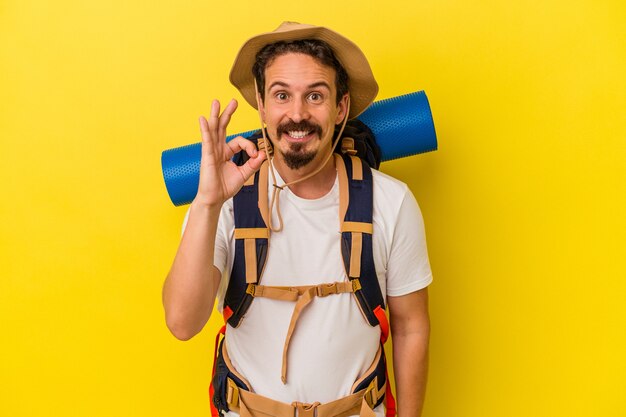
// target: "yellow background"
[[524, 203]]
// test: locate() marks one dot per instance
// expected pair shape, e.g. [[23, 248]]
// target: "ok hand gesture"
[[220, 178]]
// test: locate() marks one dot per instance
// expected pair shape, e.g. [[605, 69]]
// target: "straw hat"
[[361, 83]]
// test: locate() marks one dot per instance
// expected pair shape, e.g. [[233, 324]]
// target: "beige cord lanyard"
[[275, 201]]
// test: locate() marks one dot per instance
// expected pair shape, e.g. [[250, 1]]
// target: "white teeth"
[[297, 134]]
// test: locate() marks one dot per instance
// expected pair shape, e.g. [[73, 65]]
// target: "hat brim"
[[362, 85]]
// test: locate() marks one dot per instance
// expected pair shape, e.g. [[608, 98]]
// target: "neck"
[[314, 187]]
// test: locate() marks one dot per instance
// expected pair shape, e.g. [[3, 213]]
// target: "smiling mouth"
[[301, 132], [299, 135]]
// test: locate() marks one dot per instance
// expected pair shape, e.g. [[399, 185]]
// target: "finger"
[[240, 143], [214, 119], [252, 165], [208, 147], [204, 128], [226, 115]]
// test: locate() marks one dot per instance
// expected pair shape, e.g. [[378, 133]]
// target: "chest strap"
[[302, 295]]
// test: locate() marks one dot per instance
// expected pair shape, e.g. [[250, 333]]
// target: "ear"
[[261, 105], [342, 108]]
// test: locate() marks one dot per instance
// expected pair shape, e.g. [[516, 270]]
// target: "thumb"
[[252, 165]]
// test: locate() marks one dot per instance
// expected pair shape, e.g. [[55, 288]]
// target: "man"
[[304, 81]]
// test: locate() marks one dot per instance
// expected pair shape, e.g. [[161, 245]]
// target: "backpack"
[[359, 151]]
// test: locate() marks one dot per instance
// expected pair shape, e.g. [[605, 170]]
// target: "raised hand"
[[220, 178]]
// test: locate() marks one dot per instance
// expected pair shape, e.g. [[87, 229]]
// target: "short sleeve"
[[408, 267], [225, 227]]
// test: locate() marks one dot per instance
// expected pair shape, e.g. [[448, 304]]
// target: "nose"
[[299, 110]]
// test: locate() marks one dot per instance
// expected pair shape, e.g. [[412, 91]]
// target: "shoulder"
[[396, 210], [400, 226], [389, 194], [388, 185]]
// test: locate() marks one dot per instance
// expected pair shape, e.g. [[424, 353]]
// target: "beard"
[[297, 156]]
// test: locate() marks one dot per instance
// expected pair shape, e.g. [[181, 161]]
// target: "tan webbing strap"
[[357, 227], [252, 233], [372, 394], [232, 392], [263, 204], [231, 368], [307, 293], [303, 295], [344, 195], [366, 411], [275, 293], [250, 260], [305, 409], [266, 146], [304, 300], [346, 406], [292, 293], [357, 168], [370, 370], [249, 181], [355, 255], [323, 290], [254, 405], [347, 146]]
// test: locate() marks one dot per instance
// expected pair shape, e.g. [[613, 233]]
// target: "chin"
[[299, 159]]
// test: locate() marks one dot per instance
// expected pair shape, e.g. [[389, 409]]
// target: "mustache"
[[303, 125]]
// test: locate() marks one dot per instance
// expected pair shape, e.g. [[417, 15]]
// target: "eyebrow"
[[285, 85]]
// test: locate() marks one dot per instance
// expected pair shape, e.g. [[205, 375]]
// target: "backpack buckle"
[[250, 289], [347, 146], [323, 290], [305, 410]]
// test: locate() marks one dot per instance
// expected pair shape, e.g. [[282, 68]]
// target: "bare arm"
[[191, 285], [410, 331]]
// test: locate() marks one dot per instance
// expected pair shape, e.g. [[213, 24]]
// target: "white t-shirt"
[[332, 345]]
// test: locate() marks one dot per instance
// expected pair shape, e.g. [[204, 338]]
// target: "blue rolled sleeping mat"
[[403, 126]]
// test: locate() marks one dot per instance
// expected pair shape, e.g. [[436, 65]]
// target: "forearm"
[[191, 285], [410, 358], [410, 333]]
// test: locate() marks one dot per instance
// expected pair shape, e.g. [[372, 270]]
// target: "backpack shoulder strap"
[[356, 205], [251, 242]]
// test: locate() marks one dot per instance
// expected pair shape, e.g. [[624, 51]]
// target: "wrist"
[[200, 208]]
